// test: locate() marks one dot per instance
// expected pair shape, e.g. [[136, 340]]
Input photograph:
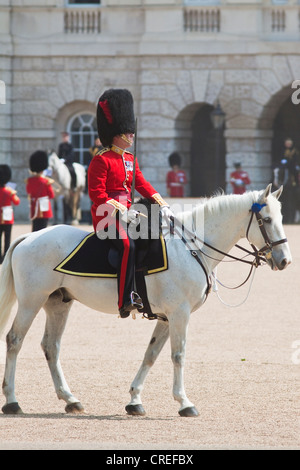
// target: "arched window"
[[83, 132]]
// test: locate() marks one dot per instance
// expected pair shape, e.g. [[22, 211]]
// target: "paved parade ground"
[[242, 373]]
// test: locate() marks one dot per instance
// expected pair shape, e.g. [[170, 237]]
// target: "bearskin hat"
[[115, 115], [38, 161], [174, 159], [5, 174]]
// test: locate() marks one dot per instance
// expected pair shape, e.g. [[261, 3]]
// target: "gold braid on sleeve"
[[117, 206], [157, 198]]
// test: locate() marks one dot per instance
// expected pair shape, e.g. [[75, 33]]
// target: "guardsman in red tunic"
[[239, 179], [110, 176], [40, 191], [176, 178], [8, 197]]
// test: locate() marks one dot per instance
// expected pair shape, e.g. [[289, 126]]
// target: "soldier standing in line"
[[8, 197], [40, 191]]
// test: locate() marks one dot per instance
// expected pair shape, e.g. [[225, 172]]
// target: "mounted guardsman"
[[110, 178], [286, 173], [66, 153]]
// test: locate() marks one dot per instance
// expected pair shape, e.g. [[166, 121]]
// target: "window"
[[83, 132]]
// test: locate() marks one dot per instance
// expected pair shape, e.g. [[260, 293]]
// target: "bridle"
[[266, 250], [260, 255]]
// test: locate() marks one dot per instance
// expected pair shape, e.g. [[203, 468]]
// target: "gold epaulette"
[[105, 149], [11, 190], [49, 180]]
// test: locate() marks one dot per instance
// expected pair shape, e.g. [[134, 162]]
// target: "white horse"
[[28, 275], [71, 197]]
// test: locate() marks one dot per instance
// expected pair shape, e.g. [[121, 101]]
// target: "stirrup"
[[135, 303], [136, 300]]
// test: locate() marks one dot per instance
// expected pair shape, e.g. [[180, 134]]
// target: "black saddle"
[[99, 259], [93, 257]]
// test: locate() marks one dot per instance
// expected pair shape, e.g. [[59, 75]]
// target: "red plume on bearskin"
[[106, 110]]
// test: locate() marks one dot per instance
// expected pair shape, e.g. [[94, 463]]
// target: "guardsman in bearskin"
[[176, 178], [110, 177], [40, 191], [8, 197]]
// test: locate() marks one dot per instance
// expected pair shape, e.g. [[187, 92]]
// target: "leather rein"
[[260, 256]]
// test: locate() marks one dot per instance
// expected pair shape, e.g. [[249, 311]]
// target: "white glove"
[[166, 212], [131, 216]]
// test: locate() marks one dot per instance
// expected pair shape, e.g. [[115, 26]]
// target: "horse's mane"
[[219, 202], [234, 202], [214, 206]]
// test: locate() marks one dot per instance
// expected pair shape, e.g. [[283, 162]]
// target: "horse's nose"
[[284, 263]]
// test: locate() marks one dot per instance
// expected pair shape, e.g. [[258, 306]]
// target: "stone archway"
[[281, 118], [207, 158], [197, 136], [285, 125]]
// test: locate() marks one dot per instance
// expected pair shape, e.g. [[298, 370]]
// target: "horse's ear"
[[266, 193], [278, 192]]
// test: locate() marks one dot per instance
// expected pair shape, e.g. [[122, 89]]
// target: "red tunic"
[[7, 197], [109, 180], [175, 183], [239, 179], [38, 187]]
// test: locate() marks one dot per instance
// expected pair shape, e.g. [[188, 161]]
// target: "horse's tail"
[[7, 287]]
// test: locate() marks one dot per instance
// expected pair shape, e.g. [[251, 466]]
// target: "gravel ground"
[[242, 373]]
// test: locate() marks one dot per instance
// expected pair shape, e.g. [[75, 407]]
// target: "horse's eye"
[[268, 220]]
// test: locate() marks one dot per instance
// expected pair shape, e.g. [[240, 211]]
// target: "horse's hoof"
[[189, 412], [74, 408], [135, 410], [12, 409]]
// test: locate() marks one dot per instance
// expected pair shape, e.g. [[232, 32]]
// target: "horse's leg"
[[14, 340], [57, 309], [178, 324], [158, 340], [65, 211], [75, 206]]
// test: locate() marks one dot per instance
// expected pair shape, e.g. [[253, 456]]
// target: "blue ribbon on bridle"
[[256, 207]]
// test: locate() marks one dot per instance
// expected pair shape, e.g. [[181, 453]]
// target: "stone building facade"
[[179, 58]]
